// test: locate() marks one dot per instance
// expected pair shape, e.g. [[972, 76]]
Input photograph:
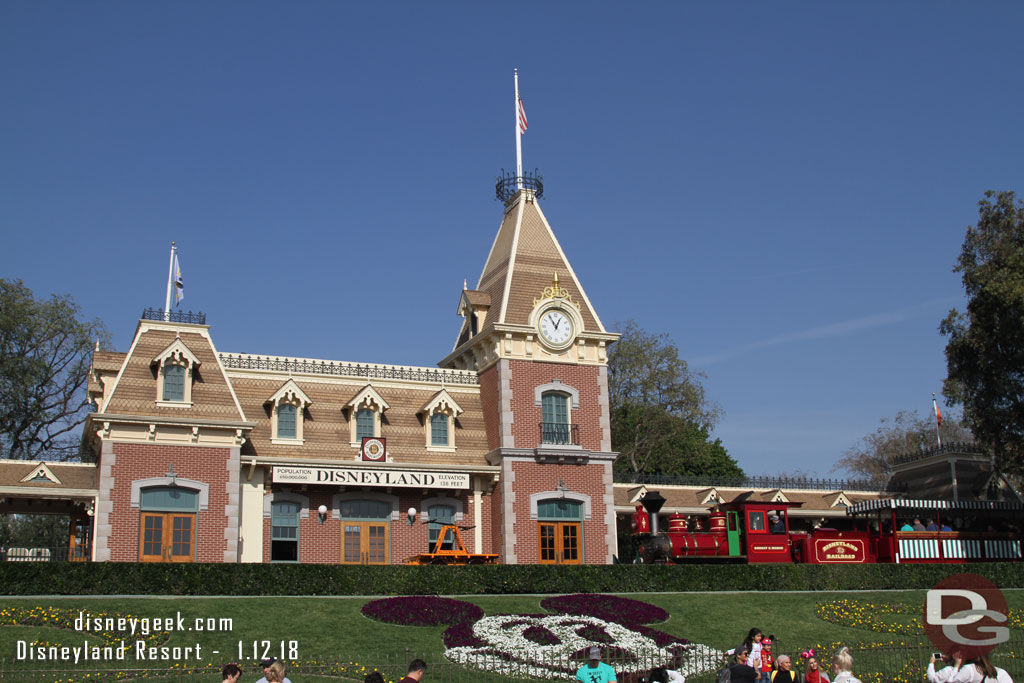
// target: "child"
[[766, 659]]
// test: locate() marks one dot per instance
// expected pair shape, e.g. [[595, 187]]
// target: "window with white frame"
[[284, 531], [438, 429], [288, 404], [555, 427], [176, 369], [366, 422], [439, 421], [366, 414]]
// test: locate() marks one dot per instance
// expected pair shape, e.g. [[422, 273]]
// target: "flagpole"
[[519, 136], [938, 421], [170, 283]]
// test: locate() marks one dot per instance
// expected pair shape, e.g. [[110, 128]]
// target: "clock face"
[[555, 327]]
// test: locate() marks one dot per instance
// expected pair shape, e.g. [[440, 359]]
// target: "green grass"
[[335, 629]]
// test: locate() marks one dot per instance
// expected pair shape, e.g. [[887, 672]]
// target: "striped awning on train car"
[[869, 506]]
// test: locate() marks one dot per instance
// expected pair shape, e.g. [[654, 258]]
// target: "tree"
[[904, 434], [661, 418], [985, 351], [45, 355]]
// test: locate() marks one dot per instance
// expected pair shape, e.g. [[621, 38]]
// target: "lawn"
[[331, 636]]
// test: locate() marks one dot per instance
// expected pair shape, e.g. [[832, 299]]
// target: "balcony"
[[559, 434]]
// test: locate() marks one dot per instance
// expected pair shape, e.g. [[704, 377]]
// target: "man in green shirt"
[[595, 671]]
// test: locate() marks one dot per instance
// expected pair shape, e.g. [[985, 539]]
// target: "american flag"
[[522, 117]]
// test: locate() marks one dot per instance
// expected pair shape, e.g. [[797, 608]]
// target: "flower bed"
[[551, 645]]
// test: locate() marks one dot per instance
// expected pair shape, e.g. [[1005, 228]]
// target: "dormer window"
[[287, 406], [176, 371], [366, 424], [439, 421], [286, 421], [174, 383], [366, 414], [438, 429]]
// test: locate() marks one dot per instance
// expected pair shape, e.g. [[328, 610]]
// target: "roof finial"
[[465, 285]]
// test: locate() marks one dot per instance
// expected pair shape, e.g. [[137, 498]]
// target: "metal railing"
[[189, 318], [795, 483], [960, 447], [344, 369], [559, 434], [31, 553], [508, 184]]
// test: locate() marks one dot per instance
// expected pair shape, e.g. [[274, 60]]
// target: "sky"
[[782, 188]]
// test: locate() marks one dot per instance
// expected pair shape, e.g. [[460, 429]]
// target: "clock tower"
[[540, 350]]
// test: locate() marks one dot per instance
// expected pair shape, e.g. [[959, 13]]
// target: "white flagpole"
[[170, 284], [938, 433], [519, 137]]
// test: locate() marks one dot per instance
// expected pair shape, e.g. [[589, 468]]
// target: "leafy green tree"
[[661, 418], [45, 355], [985, 351], [906, 433]]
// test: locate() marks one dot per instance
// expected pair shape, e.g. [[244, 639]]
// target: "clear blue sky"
[[781, 187]]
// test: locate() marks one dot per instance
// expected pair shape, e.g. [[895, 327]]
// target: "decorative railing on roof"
[[189, 318], [508, 184], [791, 483], [305, 366], [964, 447]]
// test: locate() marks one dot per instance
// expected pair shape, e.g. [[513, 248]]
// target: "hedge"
[[112, 578]]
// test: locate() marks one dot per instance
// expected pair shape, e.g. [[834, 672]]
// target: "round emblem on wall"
[[373, 449]]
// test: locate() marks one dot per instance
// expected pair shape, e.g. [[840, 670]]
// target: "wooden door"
[[364, 543], [167, 537], [560, 543], [80, 541]]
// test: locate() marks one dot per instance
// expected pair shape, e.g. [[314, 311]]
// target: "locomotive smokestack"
[[653, 502]]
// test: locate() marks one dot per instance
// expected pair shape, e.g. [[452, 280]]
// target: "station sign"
[[361, 476]]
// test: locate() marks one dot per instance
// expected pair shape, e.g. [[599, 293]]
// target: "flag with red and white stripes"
[[522, 117]]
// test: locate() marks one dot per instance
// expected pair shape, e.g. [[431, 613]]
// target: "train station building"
[[214, 456], [209, 455]]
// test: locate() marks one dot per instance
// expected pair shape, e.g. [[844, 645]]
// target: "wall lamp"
[[411, 516], [322, 511]]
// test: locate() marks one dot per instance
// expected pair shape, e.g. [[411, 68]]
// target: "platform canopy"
[[870, 506]]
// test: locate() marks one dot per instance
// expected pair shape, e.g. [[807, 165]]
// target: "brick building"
[[214, 456]]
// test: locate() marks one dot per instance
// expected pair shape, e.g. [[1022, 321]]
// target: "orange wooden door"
[[167, 537], [364, 543], [559, 543]]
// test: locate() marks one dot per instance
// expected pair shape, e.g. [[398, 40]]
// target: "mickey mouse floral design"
[[551, 645]]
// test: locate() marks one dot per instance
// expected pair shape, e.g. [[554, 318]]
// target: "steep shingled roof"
[[523, 260]]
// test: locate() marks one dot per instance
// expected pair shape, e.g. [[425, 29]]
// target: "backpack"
[[724, 676]]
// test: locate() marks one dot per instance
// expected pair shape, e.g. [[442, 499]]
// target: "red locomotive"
[[759, 532]]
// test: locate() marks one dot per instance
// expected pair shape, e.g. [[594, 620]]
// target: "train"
[[754, 531]]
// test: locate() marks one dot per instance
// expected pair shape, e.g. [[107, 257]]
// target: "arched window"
[[174, 383], [365, 419], [284, 531], [555, 428], [286, 421]]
